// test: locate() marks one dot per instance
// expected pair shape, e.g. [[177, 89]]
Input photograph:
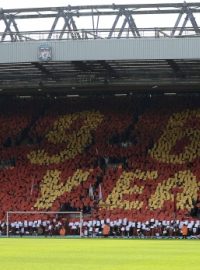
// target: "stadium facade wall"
[[108, 49]]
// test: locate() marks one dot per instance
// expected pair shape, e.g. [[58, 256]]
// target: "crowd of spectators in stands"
[[121, 139]]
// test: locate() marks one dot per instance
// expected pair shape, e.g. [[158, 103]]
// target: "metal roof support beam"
[[77, 34], [51, 12], [71, 25], [74, 18], [183, 26], [128, 19], [93, 20], [95, 28], [131, 28], [114, 25], [176, 24], [7, 30], [155, 7], [103, 13], [16, 29], [53, 26], [193, 20], [122, 28], [66, 24], [132, 24]]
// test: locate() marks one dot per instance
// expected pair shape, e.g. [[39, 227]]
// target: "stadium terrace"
[[100, 124]]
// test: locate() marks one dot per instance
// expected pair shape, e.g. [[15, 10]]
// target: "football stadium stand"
[[121, 160], [100, 120]]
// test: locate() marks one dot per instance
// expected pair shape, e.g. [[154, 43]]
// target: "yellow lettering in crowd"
[[174, 132], [186, 180], [51, 188], [123, 187], [76, 140]]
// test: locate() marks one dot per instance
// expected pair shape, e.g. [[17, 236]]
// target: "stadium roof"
[[102, 76], [100, 21], [94, 77]]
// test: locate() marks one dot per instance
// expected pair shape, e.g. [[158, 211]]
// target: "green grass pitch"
[[99, 254]]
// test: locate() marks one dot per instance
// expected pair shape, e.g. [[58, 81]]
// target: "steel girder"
[[112, 21]]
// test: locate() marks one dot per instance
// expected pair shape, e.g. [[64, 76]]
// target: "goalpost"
[[55, 214]]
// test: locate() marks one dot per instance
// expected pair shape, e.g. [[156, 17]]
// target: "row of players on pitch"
[[97, 228]]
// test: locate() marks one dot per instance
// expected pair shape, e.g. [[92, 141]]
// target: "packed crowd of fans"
[[133, 158]]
